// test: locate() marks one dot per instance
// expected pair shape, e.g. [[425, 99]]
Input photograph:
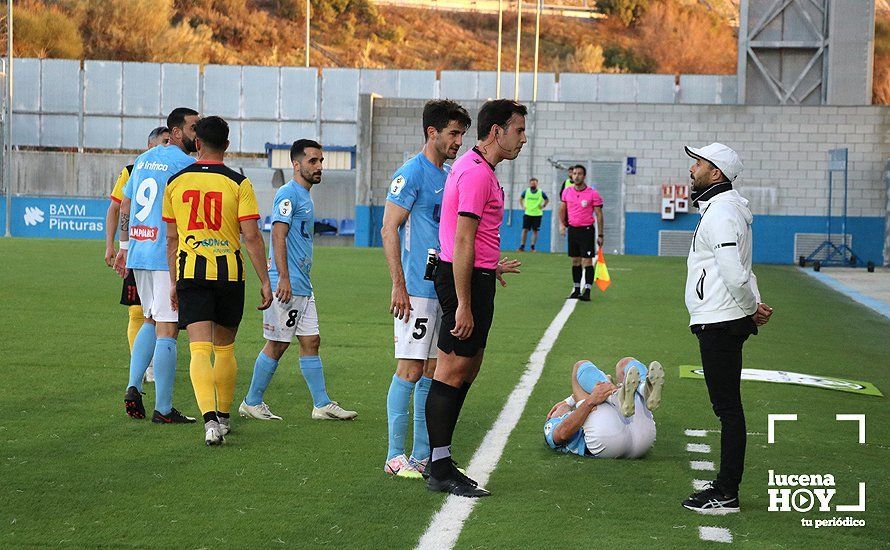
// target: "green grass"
[[75, 471]]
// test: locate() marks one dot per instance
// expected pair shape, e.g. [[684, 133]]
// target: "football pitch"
[[75, 471]]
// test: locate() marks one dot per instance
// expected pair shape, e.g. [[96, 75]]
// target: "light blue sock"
[[643, 372], [421, 448], [397, 400], [263, 370], [165, 374], [310, 367], [589, 375], [140, 356]]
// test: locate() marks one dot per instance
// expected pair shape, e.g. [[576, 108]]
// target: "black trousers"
[[721, 355]]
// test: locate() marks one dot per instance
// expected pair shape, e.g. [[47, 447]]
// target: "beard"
[[189, 145]]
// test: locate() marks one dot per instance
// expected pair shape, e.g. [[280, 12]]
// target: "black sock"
[[222, 414], [576, 275], [588, 277], [210, 417], [442, 407]]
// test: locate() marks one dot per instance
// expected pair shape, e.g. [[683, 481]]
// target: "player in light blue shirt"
[[143, 249], [602, 420], [293, 312], [410, 230]]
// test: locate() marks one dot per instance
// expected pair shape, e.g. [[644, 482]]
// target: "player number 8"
[[291, 318]]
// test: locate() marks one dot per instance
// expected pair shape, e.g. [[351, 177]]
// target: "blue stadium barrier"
[[347, 227]]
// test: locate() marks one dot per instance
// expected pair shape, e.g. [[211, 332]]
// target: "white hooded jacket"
[[720, 285]]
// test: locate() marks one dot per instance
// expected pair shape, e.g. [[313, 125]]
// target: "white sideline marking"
[[698, 448], [696, 433], [702, 465], [700, 484], [446, 525], [716, 534]]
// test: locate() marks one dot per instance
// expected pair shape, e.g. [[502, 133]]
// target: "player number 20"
[[212, 209], [420, 325]]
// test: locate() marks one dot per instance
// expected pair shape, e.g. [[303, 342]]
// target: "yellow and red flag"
[[601, 273]]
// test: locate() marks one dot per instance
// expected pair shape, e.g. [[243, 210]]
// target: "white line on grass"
[[700, 484], [698, 448], [702, 465], [716, 534], [446, 525], [696, 433]]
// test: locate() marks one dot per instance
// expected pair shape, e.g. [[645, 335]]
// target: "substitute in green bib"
[[533, 200]]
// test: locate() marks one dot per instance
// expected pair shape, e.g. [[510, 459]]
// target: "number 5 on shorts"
[[420, 325]]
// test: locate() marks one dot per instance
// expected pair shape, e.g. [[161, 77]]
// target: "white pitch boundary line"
[[700, 484], [446, 525], [696, 433], [698, 448], [715, 534], [702, 465]]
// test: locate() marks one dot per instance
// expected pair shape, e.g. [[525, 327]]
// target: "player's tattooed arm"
[[125, 223]]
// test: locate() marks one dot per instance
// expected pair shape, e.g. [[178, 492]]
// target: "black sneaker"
[[574, 295], [533, 248], [522, 248], [712, 501], [175, 417], [586, 296], [455, 485], [458, 472], [133, 403]]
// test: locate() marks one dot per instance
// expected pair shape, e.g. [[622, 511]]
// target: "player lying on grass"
[[605, 421]]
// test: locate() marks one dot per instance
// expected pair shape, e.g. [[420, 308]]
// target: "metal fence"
[[113, 105]]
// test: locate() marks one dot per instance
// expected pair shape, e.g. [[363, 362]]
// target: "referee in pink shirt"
[[469, 265], [579, 205]]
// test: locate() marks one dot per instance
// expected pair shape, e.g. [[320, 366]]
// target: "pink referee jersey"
[[472, 189], [580, 205]]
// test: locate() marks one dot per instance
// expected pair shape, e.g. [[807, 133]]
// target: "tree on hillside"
[[688, 39], [628, 11], [43, 31]]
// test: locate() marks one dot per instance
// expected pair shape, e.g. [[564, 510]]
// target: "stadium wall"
[[784, 148]]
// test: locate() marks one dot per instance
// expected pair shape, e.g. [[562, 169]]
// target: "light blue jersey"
[[576, 445], [293, 205], [145, 189], [417, 187]]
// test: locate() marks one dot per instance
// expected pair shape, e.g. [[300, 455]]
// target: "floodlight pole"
[[518, 46], [307, 32], [497, 92], [539, 6], [7, 168]]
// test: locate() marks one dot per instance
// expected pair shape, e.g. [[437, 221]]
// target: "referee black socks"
[[588, 277], [576, 275], [443, 405]]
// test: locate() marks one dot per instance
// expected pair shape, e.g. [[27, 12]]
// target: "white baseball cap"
[[721, 156]]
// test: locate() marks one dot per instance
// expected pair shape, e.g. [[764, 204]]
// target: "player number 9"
[[145, 197]]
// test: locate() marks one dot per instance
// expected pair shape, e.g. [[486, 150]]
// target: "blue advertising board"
[[58, 217]]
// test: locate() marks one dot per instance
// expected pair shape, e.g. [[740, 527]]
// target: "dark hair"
[[213, 132], [497, 112], [176, 118], [299, 147], [533, 179], [157, 132], [438, 113], [581, 166]]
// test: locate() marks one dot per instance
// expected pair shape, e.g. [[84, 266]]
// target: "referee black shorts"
[[482, 290], [582, 242], [129, 295], [219, 301]]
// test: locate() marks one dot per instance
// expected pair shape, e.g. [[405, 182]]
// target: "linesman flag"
[[601, 274]]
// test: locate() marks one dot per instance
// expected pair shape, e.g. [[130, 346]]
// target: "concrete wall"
[[784, 150]]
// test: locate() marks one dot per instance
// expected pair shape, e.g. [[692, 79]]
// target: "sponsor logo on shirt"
[[192, 241], [144, 233], [152, 166]]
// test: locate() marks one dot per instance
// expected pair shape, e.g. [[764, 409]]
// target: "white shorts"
[[154, 292], [283, 321], [608, 434], [419, 337]]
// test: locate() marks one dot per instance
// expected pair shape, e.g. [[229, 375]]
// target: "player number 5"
[[420, 325]]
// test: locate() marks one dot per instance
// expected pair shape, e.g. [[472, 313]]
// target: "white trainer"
[[150, 373], [654, 383], [212, 435], [260, 412], [627, 390], [396, 464], [332, 411], [225, 426]]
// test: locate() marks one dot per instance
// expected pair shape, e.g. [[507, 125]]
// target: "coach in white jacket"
[[724, 308]]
